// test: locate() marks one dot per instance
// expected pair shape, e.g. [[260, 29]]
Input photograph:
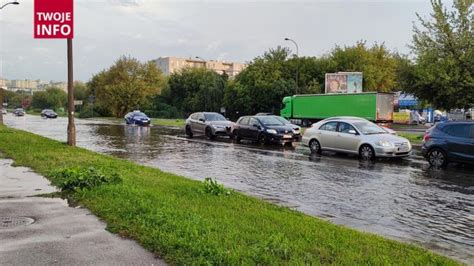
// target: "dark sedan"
[[137, 118], [48, 113], [19, 112], [264, 129], [449, 142]]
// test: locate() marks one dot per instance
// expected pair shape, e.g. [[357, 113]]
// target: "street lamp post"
[[205, 62], [1, 89], [297, 63]]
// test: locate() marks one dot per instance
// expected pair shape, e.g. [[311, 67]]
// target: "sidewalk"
[[59, 234]]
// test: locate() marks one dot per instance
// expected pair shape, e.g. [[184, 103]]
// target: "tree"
[[196, 89], [444, 56], [51, 98], [126, 85], [378, 65]]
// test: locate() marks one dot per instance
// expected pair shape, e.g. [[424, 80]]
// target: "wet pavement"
[[401, 199], [46, 231]]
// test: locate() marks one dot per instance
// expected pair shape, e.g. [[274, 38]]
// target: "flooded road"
[[400, 199]]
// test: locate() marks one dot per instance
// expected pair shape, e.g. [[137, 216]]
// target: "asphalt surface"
[[59, 234], [401, 199]]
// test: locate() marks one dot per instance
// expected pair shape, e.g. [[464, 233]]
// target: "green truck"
[[309, 108]]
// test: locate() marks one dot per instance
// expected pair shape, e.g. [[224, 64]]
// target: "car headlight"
[[385, 143], [271, 131]]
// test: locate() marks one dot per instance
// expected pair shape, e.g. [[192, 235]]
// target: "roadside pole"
[[71, 127], [54, 19], [1, 102]]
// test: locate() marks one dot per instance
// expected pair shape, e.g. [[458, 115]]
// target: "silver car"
[[355, 136], [208, 123]]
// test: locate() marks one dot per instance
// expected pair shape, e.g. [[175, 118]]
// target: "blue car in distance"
[[449, 142], [137, 118]]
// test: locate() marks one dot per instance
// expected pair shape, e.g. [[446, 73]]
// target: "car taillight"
[[426, 137]]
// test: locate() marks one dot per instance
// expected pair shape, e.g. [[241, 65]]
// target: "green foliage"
[[79, 178], [211, 186], [377, 63], [17, 99], [195, 89], [81, 92], [52, 98], [172, 217], [126, 85], [443, 71]]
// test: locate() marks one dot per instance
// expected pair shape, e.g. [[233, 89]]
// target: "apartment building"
[[169, 65]]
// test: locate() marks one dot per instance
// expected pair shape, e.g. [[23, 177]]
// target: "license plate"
[[287, 136]]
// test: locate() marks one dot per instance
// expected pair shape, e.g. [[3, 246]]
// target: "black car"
[[449, 142], [137, 118], [48, 113], [264, 129], [19, 112]]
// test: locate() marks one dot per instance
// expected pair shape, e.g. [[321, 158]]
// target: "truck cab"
[[287, 110]]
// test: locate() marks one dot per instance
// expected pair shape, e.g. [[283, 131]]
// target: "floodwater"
[[401, 199]]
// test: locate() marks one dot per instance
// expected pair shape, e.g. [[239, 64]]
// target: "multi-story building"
[[3, 84], [169, 65], [23, 84]]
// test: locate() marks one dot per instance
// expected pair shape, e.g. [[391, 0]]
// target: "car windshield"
[[139, 114], [283, 120], [270, 121], [368, 128], [214, 117]]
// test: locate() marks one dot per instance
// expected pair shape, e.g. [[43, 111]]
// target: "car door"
[[253, 128], [471, 146], [243, 127], [200, 123], [327, 135], [459, 141], [346, 140]]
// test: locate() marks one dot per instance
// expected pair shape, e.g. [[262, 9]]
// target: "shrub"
[[212, 187], [75, 179]]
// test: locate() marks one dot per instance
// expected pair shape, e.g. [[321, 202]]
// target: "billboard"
[[343, 82]]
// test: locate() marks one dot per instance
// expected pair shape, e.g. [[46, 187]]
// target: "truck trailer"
[[310, 108]]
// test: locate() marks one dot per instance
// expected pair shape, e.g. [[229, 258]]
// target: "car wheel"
[[189, 132], [366, 152], [314, 146], [262, 139], [237, 136], [437, 158], [209, 134]]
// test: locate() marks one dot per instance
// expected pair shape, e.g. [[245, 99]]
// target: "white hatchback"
[[355, 136]]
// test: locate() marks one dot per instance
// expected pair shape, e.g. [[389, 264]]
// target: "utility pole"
[[71, 128]]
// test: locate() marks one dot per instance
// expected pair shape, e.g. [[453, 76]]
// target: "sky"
[[227, 30]]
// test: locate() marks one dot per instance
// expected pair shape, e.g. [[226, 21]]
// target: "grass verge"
[[168, 122], [179, 220], [414, 138]]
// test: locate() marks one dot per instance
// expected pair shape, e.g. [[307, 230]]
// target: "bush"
[[212, 187], [75, 179]]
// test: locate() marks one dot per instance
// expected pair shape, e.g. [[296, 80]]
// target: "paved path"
[[60, 234]]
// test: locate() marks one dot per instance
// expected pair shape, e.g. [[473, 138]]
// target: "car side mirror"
[[352, 131], [202, 120], [257, 126]]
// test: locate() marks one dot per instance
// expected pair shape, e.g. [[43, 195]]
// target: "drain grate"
[[7, 222]]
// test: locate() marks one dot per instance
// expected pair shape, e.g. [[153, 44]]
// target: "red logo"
[[54, 19]]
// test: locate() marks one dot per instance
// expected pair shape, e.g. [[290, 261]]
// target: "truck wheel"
[[366, 152], [437, 158], [314, 146], [189, 132], [305, 123]]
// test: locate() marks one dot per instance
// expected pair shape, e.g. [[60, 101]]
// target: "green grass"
[[176, 218], [168, 122], [414, 138]]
